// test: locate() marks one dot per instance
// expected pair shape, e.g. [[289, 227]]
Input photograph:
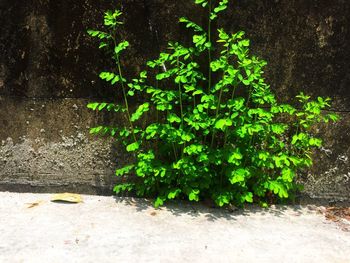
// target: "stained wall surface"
[[49, 68]]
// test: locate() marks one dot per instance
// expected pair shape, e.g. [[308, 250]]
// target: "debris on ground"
[[339, 215], [34, 204], [67, 197]]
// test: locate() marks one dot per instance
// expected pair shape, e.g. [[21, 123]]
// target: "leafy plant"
[[212, 130]]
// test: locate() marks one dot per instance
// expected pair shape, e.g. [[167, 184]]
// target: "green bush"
[[207, 130]]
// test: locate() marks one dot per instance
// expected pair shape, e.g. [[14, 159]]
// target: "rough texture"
[[329, 178], [53, 151], [105, 229], [49, 68]]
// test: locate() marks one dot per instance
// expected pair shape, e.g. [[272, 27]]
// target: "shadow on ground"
[[180, 208]]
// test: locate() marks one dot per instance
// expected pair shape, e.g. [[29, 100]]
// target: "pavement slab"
[[111, 229]]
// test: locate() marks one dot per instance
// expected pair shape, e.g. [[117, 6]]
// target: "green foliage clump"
[[207, 130]]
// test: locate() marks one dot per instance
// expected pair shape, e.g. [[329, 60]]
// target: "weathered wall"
[[49, 68]]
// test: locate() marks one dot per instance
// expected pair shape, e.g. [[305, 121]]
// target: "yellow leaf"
[[67, 197]]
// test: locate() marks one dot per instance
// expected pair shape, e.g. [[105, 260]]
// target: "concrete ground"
[[108, 229]]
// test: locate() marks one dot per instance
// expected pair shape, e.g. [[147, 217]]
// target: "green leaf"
[[199, 40], [302, 97], [98, 34], [223, 35], [174, 193], [281, 160], [140, 111], [187, 137], [222, 124], [102, 45], [213, 16], [143, 74], [235, 157], [172, 117], [278, 188], [279, 128], [125, 170], [93, 106], [333, 116], [204, 3], [102, 106], [110, 18], [190, 24], [123, 188], [194, 149], [108, 76], [221, 7], [159, 202], [239, 175], [152, 130], [160, 171], [133, 147], [115, 79], [315, 142], [120, 47], [245, 43], [96, 130], [193, 196], [249, 197], [93, 33], [222, 199], [300, 138], [283, 108], [288, 175]]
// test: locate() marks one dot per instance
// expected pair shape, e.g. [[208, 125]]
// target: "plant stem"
[[216, 116], [174, 149], [123, 87], [181, 107], [230, 111], [250, 142], [180, 97], [219, 102], [209, 49], [125, 98], [209, 58], [249, 96]]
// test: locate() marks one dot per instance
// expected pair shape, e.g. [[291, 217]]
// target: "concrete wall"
[[49, 68]]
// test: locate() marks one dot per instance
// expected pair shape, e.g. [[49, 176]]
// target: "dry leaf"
[[336, 214], [34, 204], [67, 197]]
